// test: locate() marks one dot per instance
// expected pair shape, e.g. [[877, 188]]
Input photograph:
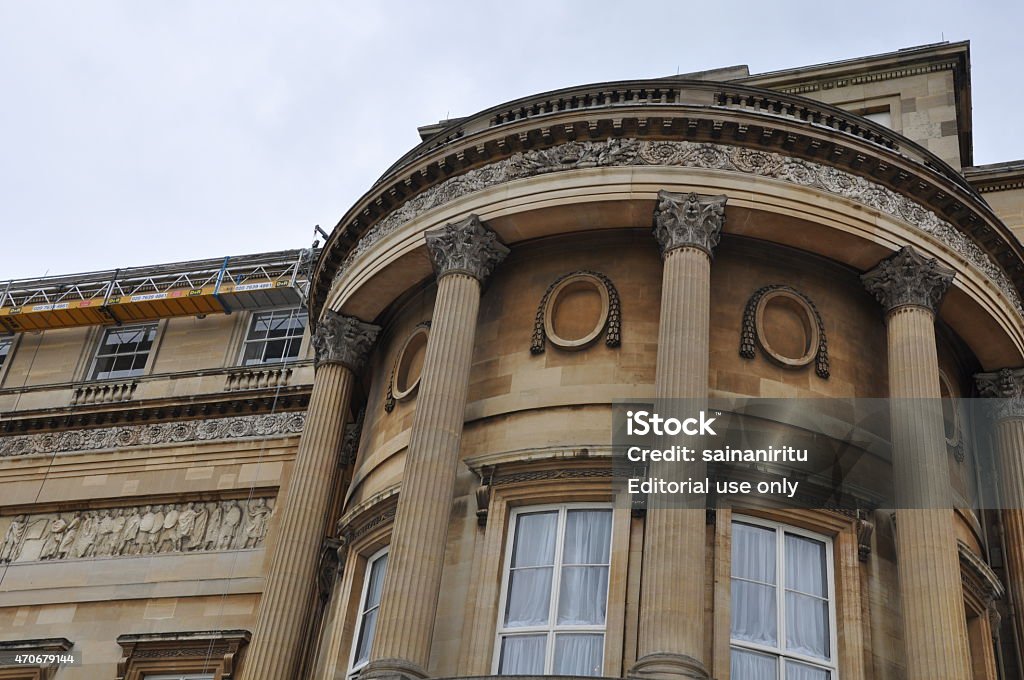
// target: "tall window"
[[6, 345], [555, 592], [274, 337], [123, 352], [369, 605], [783, 604]]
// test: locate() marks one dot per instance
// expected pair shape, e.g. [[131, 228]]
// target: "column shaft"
[[934, 620], [1010, 453], [416, 558], [288, 592], [671, 638]]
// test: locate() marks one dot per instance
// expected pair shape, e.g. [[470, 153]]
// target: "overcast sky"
[[140, 132]]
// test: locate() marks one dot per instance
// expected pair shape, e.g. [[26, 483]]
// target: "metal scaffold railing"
[[146, 293]]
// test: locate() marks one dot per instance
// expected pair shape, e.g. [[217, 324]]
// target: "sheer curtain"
[[578, 654], [533, 558], [746, 665], [753, 610], [371, 604], [522, 654], [807, 625], [583, 594]]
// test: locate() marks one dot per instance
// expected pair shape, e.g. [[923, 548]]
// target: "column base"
[[667, 666], [392, 669]]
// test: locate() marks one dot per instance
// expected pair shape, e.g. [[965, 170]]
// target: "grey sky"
[[142, 132]]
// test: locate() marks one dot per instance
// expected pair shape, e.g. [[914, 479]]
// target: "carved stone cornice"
[[153, 434], [625, 152], [688, 220], [465, 247], [1006, 389], [909, 279], [344, 340]]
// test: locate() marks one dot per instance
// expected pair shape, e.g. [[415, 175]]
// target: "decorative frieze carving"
[[612, 323], [466, 247], [752, 333], [195, 526], [1006, 387], [721, 157], [688, 220], [125, 436], [909, 279], [341, 339]]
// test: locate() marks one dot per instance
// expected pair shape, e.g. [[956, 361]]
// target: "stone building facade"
[[416, 481]]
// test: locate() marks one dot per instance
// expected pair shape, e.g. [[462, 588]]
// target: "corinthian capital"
[[466, 247], [909, 279], [343, 340], [1006, 388], [682, 220]]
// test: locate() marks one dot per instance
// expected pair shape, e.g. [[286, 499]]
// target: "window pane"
[[753, 553], [535, 539], [753, 613], [805, 565], [588, 536], [746, 665], [529, 597], [376, 582], [807, 625], [366, 632], [583, 596], [801, 671], [579, 654], [522, 655]]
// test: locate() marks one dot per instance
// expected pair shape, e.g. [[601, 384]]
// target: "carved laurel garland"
[[627, 152], [261, 425], [389, 401], [613, 326], [748, 332]]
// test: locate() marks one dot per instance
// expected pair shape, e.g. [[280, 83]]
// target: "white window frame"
[[353, 669], [779, 652], [251, 323], [552, 628], [92, 375]]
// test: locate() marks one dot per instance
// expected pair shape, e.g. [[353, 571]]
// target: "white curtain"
[[753, 553], [368, 625], [807, 630], [753, 613], [588, 537], [583, 597], [799, 671], [578, 654], [744, 665], [522, 655], [533, 556]]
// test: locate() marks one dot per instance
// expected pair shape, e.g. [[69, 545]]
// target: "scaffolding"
[[218, 286]]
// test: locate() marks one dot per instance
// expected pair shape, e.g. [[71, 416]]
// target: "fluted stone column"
[[910, 288], [342, 344], [463, 255], [671, 632], [1007, 386]]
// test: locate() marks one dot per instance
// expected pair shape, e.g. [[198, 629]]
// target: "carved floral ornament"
[[688, 220], [608, 320], [719, 157], [909, 279], [753, 332], [154, 434], [466, 247], [192, 527], [345, 340], [1006, 388]]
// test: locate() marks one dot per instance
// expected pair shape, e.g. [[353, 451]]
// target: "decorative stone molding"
[[147, 654], [257, 378], [610, 321], [189, 527], [1006, 387], [10, 649], [328, 568], [466, 247], [753, 333], [720, 157], [350, 442], [353, 532], [398, 392], [865, 530], [688, 220], [210, 429], [978, 578], [104, 393], [909, 279], [345, 340]]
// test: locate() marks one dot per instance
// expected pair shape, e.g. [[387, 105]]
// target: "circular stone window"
[[410, 364], [576, 311], [787, 328]]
